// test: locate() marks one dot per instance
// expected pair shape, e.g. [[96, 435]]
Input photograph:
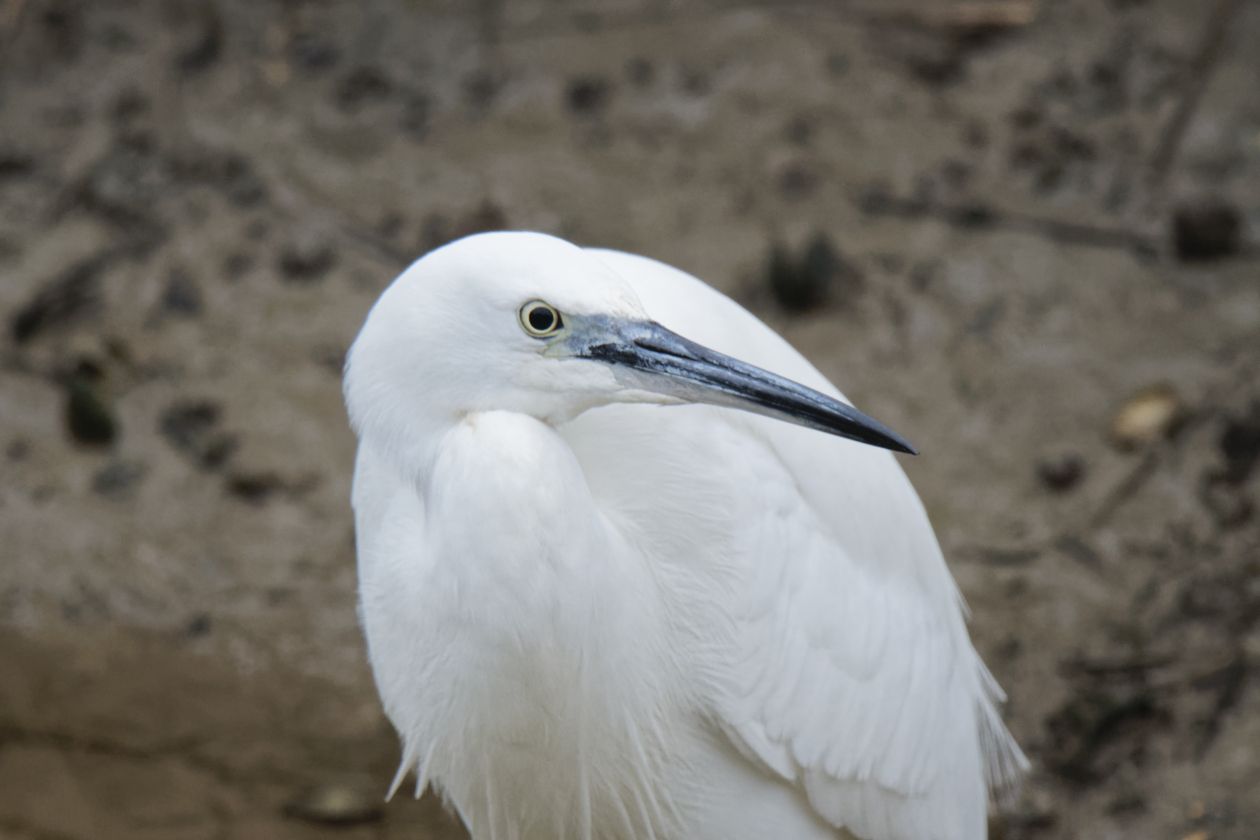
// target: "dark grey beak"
[[686, 370]]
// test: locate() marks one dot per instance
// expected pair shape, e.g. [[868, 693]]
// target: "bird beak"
[[668, 364]]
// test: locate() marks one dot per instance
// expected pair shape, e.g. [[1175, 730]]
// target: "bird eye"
[[540, 319]]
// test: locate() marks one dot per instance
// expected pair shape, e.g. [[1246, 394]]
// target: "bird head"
[[529, 323]]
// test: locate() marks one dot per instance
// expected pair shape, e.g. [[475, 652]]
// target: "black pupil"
[[541, 318]]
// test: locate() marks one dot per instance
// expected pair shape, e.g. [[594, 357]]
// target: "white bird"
[[601, 602]]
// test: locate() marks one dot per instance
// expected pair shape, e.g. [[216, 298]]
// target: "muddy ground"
[[1022, 215]]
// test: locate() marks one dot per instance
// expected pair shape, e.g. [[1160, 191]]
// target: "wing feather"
[[850, 672]]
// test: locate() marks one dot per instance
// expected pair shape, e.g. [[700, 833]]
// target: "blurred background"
[[1023, 232]]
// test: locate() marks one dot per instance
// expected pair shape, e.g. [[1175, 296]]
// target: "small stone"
[[1206, 228], [199, 625], [15, 164], [306, 258], [973, 214], [67, 297], [89, 417], [587, 95], [334, 805], [191, 427], [1062, 471], [117, 479], [254, 488], [1240, 444], [821, 258], [1150, 415], [810, 281]]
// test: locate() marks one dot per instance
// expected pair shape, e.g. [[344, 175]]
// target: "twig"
[[1102, 667], [1124, 490], [1002, 556], [1204, 62], [979, 216], [993, 15]]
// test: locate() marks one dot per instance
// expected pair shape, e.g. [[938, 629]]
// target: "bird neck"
[[503, 488], [536, 626]]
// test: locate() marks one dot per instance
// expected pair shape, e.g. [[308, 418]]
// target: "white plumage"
[[596, 611]]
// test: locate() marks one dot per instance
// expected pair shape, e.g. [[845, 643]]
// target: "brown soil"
[[1022, 214]]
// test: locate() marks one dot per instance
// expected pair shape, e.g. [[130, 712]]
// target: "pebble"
[[335, 805], [1240, 444], [587, 95], [255, 488], [191, 427], [818, 275], [1206, 228], [1061, 471], [89, 417], [117, 479], [69, 296], [1150, 415], [199, 625], [306, 257]]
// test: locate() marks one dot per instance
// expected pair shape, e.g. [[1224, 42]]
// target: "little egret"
[[593, 616]]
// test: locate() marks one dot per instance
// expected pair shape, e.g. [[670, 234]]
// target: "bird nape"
[[614, 584]]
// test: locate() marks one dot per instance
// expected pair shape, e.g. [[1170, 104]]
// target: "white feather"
[[647, 621]]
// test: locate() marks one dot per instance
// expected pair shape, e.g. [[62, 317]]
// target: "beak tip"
[[877, 434], [899, 444], [880, 435]]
